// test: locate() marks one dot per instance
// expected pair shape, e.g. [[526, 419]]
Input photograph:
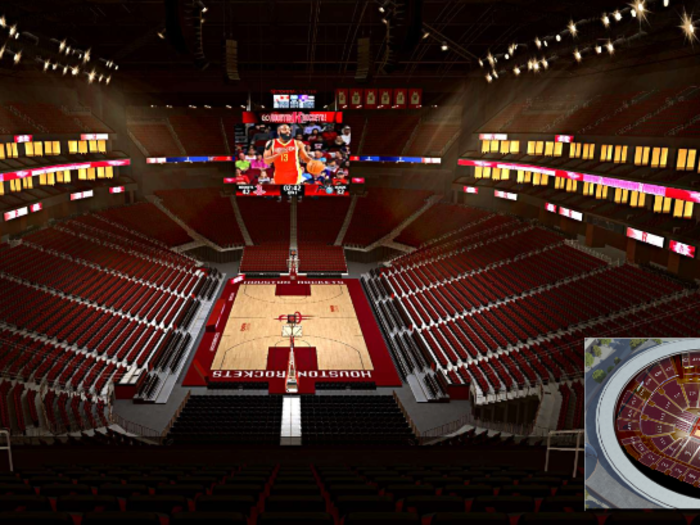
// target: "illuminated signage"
[[15, 214], [94, 136], [23, 138], [294, 117], [81, 195], [682, 249], [571, 214], [566, 139], [493, 136], [649, 238], [506, 195], [36, 207], [550, 207], [471, 189], [357, 180], [409, 160], [12, 175], [117, 189]]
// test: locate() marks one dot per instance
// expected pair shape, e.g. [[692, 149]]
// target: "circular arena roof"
[[648, 422]]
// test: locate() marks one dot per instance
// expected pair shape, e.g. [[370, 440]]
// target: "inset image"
[[642, 423]]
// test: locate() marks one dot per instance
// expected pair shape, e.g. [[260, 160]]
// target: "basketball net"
[[293, 265]]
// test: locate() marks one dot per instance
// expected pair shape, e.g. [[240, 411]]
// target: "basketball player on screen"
[[285, 153]]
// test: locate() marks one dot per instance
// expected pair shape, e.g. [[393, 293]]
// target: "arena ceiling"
[[317, 39]]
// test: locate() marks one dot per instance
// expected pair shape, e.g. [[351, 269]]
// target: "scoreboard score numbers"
[[292, 190]]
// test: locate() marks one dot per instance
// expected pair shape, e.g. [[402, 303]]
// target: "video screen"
[[294, 101], [312, 153]]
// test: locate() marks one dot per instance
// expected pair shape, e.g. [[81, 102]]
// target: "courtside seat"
[[472, 518], [295, 503], [216, 503], [122, 490], [468, 491], [295, 518], [429, 504], [120, 518], [54, 490], [534, 491], [26, 502], [86, 503], [40, 518], [346, 504], [507, 504], [208, 518], [157, 503], [382, 518], [581, 518], [562, 504], [642, 518], [185, 489]]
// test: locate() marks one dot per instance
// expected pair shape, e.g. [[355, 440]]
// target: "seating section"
[[381, 211], [10, 123], [200, 135], [48, 117], [267, 220], [319, 258], [148, 220], [156, 138], [269, 257], [431, 138], [320, 220], [371, 419], [229, 419], [386, 133], [294, 494], [571, 411], [207, 212], [440, 219]]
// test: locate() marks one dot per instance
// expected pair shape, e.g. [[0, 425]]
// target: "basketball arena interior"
[[333, 262]]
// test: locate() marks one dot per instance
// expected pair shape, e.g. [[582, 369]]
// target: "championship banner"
[[355, 98], [400, 98], [294, 117], [385, 97], [341, 98], [415, 98], [371, 98]]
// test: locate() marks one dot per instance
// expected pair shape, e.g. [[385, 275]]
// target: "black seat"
[[346, 504], [468, 491], [122, 491], [534, 491], [508, 504], [119, 518], [470, 518], [55, 490], [40, 518], [577, 518], [404, 491], [215, 503], [185, 489], [306, 489], [27, 502], [430, 504], [295, 504], [209, 518], [238, 490], [295, 518], [627, 518], [352, 490], [165, 504], [15, 488], [562, 504], [86, 503], [382, 518]]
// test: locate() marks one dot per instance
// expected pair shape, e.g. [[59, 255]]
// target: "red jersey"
[[287, 167]]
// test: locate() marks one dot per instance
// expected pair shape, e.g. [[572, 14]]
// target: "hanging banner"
[[415, 98], [341, 98], [400, 98], [385, 97], [370, 98], [355, 98]]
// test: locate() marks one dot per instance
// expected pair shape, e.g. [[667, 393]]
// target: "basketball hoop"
[[293, 265]]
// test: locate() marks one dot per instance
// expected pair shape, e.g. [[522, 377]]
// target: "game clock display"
[[291, 190]]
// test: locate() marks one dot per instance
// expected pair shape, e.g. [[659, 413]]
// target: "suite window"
[[588, 151], [659, 157], [686, 159], [620, 154], [575, 150], [641, 155], [606, 153]]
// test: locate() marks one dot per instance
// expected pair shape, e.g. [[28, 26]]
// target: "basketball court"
[[325, 328]]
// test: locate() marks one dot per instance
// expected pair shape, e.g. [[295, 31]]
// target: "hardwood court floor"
[[252, 327]]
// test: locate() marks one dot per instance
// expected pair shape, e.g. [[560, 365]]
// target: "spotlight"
[[538, 42], [385, 21], [2, 51], [91, 76], [242, 106], [605, 20], [228, 107], [46, 64], [444, 46], [61, 46], [558, 38], [545, 64], [192, 107], [99, 79], [495, 74], [18, 57], [76, 70], [507, 57], [203, 7], [598, 49], [666, 2], [65, 69], [489, 78], [489, 57], [511, 49], [617, 15], [54, 66], [481, 63], [546, 44], [688, 27], [13, 30], [161, 34], [611, 47], [516, 71], [633, 12], [86, 57], [535, 65], [425, 35], [207, 107], [3, 22], [381, 9], [108, 79], [572, 28], [577, 55]]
